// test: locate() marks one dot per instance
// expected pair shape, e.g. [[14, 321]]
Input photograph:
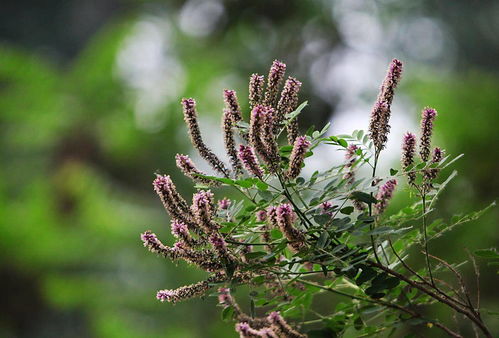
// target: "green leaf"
[[487, 253], [297, 111], [343, 143], [366, 275], [347, 210], [393, 172], [323, 240], [247, 183], [261, 185], [252, 308], [256, 254], [227, 313], [363, 197]]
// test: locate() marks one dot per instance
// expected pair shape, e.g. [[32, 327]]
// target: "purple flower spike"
[[250, 162], [432, 173], [173, 202], [286, 218], [165, 295], [261, 215], [427, 117], [256, 89], [384, 195], [408, 150], [297, 156], [287, 104], [276, 75], [191, 119], [351, 157], [380, 116], [224, 204], [378, 125], [282, 328], [325, 206], [202, 209], [391, 81], [188, 168], [232, 105], [256, 127]]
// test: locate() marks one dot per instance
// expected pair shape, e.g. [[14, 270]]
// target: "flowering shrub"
[[291, 238]]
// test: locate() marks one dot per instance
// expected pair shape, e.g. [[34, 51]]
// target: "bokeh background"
[[89, 111]]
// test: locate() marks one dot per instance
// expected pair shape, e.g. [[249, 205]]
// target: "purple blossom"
[[287, 104], [256, 89], [270, 149], [224, 296], [154, 245], [427, 117], [408, 150], [378, 129], [165, 295], [326, 206], [232, 105], [384, 195], [250, 162], [224, 204], [274, 80], [351, 157], [191, 119], [286, 218], [391, 81], [228, 121], [297, 156], [380, 116], [256, 127], [282, 328], [261, 215], [432, 173], [185, 164], [202, 209], [173, 202]]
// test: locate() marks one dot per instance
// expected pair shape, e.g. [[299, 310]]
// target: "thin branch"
[[466, 311], [382, 302]]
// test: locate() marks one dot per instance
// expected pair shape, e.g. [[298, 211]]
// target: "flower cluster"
[[380, 115], [290, 227], [428, 116]]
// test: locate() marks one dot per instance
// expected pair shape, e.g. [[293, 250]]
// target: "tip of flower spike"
[[203, 197], [161, 182], [302, 141], [396, 68], [223, 295], [429, 113], [261, 215], [293, 82], [188, 103], [285, 209], [242, 327], [217, 241], [164, 295], [409, 136], [178, 227], [224, 204], [278, 65], [258, 109], [148, 237], [396, 63], [274, 316]]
